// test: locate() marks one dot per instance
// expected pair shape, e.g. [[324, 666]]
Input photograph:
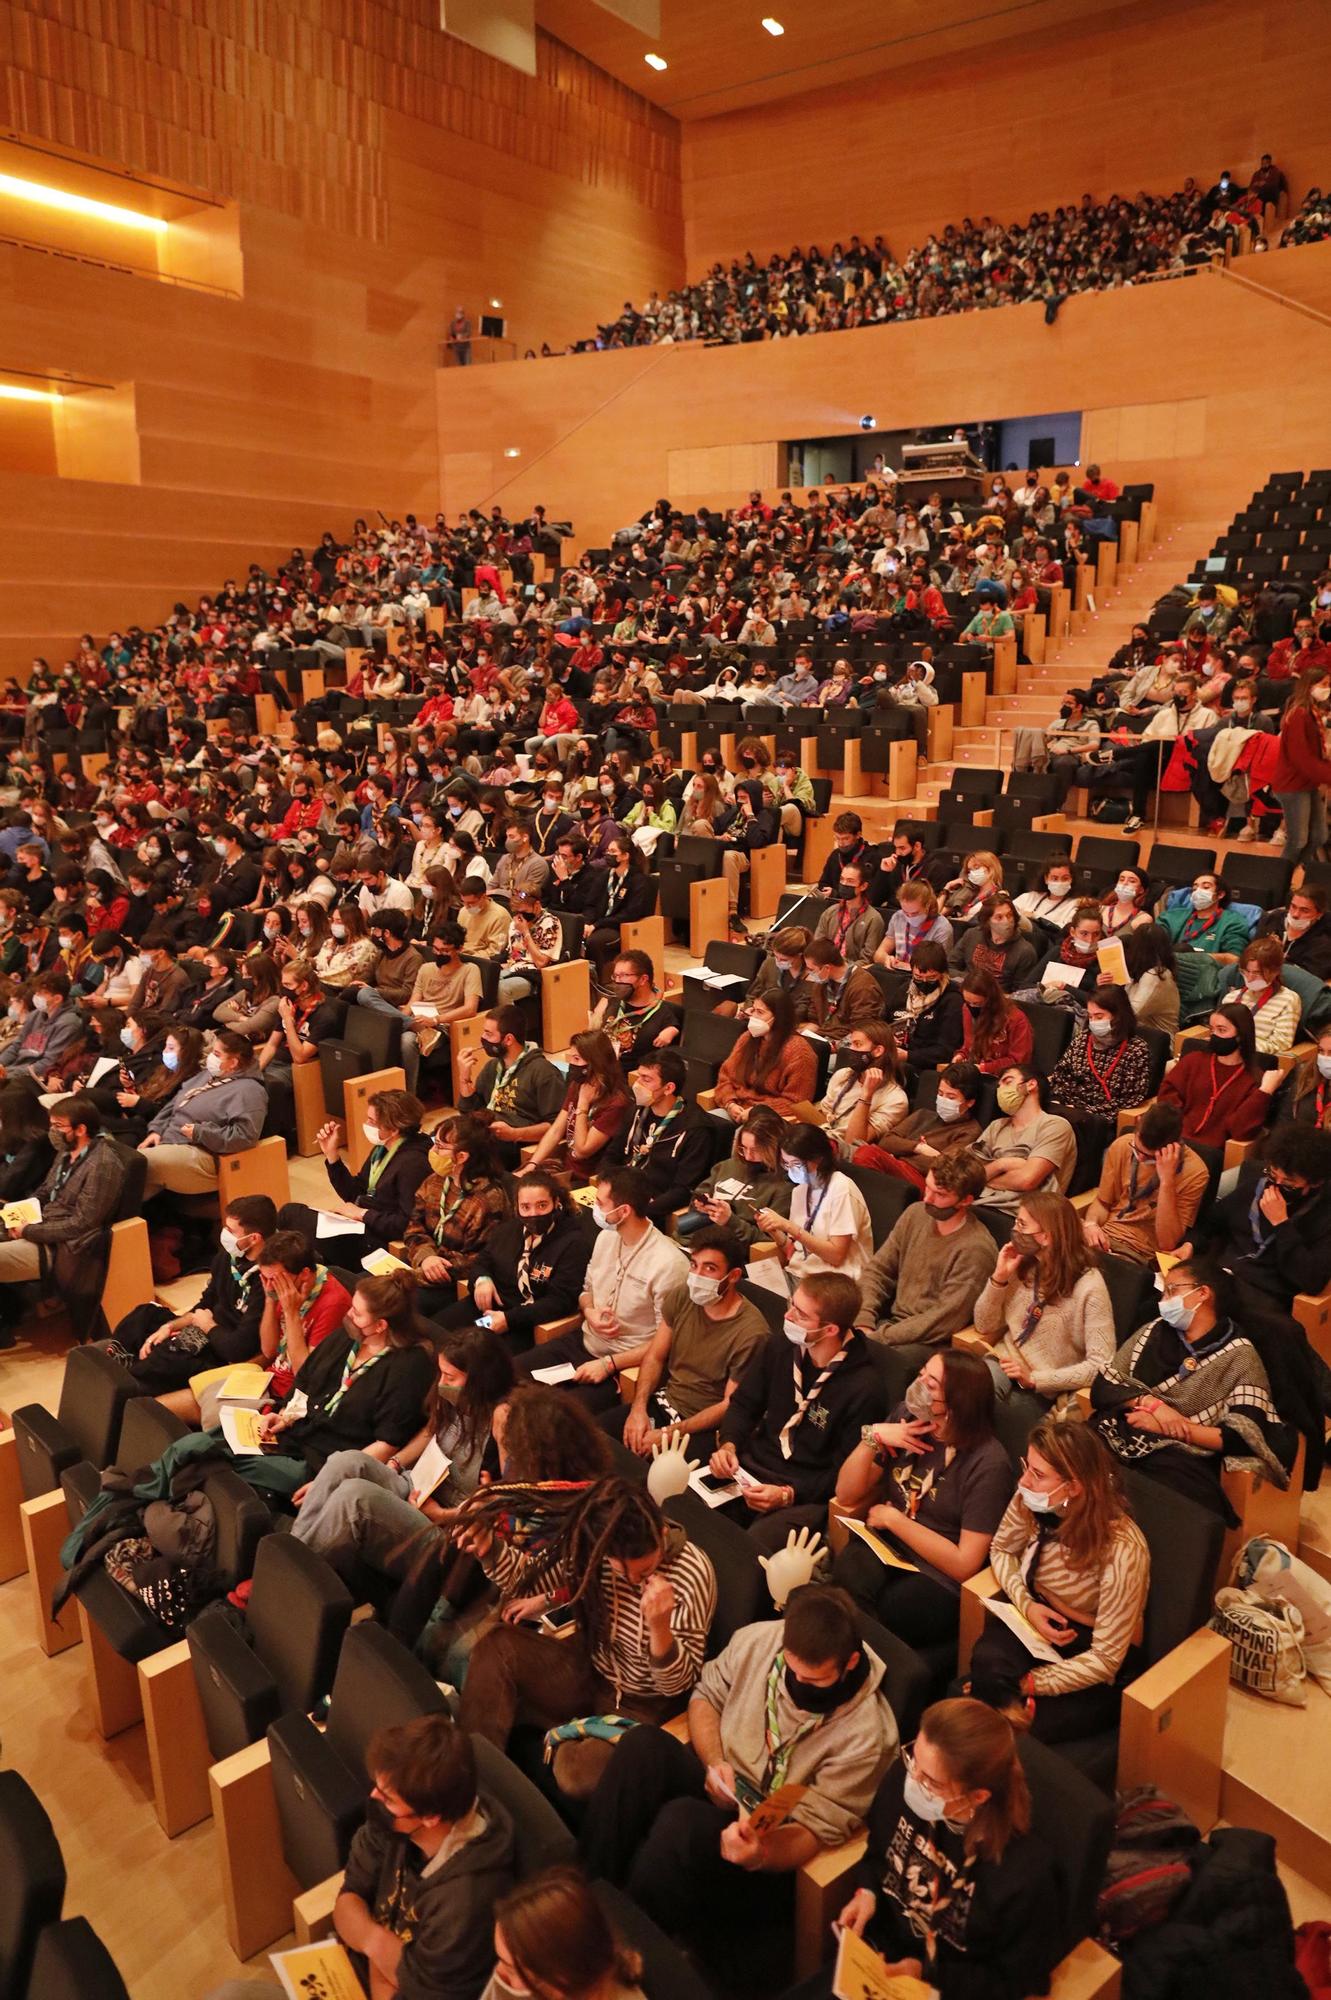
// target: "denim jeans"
[[1305, 824]]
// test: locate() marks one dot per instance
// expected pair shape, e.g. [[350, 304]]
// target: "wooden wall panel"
[[1213, 385], [1147, 96]]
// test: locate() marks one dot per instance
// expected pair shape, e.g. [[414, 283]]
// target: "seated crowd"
[[877, 1274], [1088, 246]]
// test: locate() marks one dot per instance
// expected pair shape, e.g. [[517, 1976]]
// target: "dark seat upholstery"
[[72, 1963], [32, 1880], [93, 1395]]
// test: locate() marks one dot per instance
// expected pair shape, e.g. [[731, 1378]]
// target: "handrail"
[[1280, 298], [120, 270]]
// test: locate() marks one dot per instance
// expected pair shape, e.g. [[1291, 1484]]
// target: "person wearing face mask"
[[1045, 1309], [1203, 921], [998, 945], [1106, 1067], [633, 1269], [552, 1938], [165, 984], [219, 1109], [445, 989], [236, 884], [771, 1064], [596, 1111], [934, 1480], [1219, 1085], [484, 922], [916, 920], [705, 1342], [462, 1197], [1258, 982], [966, 898], [1272, 1234], [550, 823], [79, 1198], [49, 1033], [842, 993], [955, 1889], [796, 1700], [1303, 930], [828, 1227], [1053, 904], [521, 867], [366, 1511], [511, 1081], [633, 1013], [1063, 747], [1127, 906], [381, 1194], [995, 1031], [1302, 768], [1187, 1397], [668, 1139], [165, 1352], [149, 1078], [1025, 1147], [530, 1267], [1072, 1560], [1150, 1189], [797, 1411], [922, 1282], [393, 978], [853, 925], [1307, 1097]]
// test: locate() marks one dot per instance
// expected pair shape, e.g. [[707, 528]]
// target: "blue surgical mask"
[[798, 1174], [1175, 1312], [127, 1037], [1039, 1503], [171, 1058]]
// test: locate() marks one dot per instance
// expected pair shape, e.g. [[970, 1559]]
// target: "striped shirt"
[[626, 1661], [1110, 1599]]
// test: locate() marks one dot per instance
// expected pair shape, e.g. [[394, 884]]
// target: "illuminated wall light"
[[656, 62], [77, 204], [512, 451], [772, 27], [496, 305], [10, 392]]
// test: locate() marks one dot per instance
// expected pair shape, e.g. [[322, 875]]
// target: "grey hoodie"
[[445, 1918]]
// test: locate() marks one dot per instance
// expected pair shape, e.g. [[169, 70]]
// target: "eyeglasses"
[[913, 1770]]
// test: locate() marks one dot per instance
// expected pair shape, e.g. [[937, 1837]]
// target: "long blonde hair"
[[1076, 1451], [1069, 1255]]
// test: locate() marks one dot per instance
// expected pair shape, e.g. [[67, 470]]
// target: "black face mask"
[[857, 1060], [846, 892], [822, 1700], [492, 1048], [537, 1225]]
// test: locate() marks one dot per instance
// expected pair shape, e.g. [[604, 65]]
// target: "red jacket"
[[300, 818], [1301, 763], [1012, 1044], [1280, 661]]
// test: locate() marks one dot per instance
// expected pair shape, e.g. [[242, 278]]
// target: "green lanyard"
[[379, 1158], [779, 1754]]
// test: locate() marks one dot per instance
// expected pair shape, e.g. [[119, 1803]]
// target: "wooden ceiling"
[[721, 59]]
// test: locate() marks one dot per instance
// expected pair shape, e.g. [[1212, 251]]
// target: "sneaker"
[[1133, 824], [1248, 833]]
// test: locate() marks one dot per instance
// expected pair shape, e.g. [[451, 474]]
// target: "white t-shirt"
[[839, 1210], [634, 1283]]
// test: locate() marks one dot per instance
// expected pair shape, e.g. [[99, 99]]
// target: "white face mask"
[[338, 930], [1296, 926], [213, 1062], [977, 876], [1060, 889], [947, 1108], [704, 1291], [371, 1132], [1254, 981], [756, 1027], [1126, 892], [1039, 1503], [797, 1335], [918, 1400], [1100, 1028], [600, 1218], [230, 1243], [1202, 899]]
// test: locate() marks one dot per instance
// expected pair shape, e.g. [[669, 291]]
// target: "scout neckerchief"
[[320, 1279], [379, 1157], [352, 1368], [1196, 925], [642, 1140], [504, 1091], [803, 1402], [447, 1208], [779, 1753]]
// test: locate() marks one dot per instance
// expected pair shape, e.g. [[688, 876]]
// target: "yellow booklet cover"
[[317, 1972], [14, 1213], [380, 1262], [881, 1548], [860, 1974], [246, 1384]]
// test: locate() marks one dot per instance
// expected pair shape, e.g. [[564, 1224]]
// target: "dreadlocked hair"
[[572, 1529]]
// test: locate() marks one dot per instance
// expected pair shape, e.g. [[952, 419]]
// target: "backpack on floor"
[[1149, 1866]]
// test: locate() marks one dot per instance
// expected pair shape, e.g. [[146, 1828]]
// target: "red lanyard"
[[1104, 1080], [1218, 1090], [1196, 926]]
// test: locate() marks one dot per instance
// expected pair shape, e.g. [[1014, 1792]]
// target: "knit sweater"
[[1218, 1102], [1109, 1596], [790, 1081], [1070, 1343], [922, 1285]]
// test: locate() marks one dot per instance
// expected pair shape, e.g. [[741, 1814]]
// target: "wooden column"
[[45, 1525], [903, 763], [177, 1739], [464, 1035], [974, 695], [1005, 666], [1033, 637], [1172, 1728], [938, 736], [647, 935], [566, 1002], [767, 878], [817, 845], [13, 1555], [1106, 570], [260, 1169], [129, 1271], [257, 1885], [311, 1110], [1060, 610], [854, 783], [112, 1681], [1127, 544], [709, 914]]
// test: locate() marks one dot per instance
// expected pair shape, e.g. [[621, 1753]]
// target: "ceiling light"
[[656, 62], [512, 451], [772, 27], [77, 204], [495, 304], [11, 392]]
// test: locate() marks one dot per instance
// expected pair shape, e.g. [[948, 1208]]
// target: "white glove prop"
[[671, 1465], [793, 1565]]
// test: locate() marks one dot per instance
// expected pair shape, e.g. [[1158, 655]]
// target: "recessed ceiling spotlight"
[[772, 27], [656, 62], [512, 451], [495, 304]]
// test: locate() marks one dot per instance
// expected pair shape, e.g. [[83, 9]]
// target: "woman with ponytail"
[[954, 1888]]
